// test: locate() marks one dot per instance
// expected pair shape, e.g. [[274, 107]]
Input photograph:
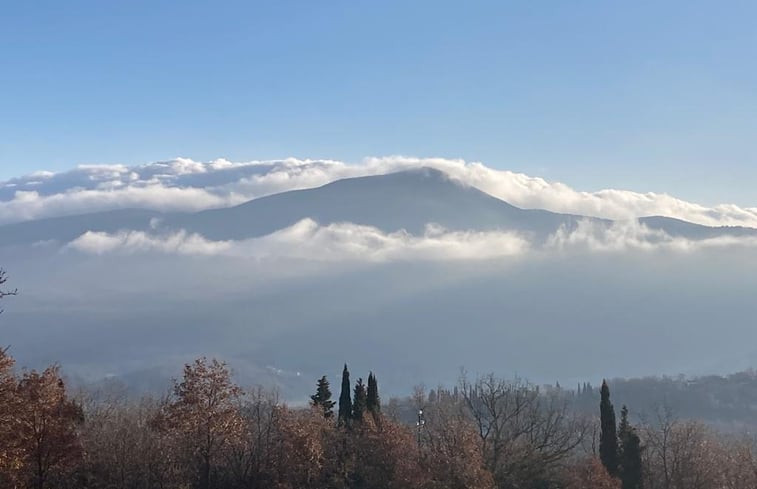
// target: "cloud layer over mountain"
[[310, 241], [307, 240], [184, 184]]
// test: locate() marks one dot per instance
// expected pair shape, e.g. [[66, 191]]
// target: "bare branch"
[[5, 293]]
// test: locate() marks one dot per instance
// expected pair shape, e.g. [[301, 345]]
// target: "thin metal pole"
[[420, 424]]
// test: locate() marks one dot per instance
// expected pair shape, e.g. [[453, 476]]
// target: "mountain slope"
[[406, 200], [67, 228]]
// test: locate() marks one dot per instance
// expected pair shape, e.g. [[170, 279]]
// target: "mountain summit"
[[406, 200]]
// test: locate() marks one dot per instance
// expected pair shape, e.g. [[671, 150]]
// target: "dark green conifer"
[[322, 398], [608, 436], [373, 402], [360, 401], [345, 401], [630, 453]]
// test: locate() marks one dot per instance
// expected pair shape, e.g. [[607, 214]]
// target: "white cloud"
[[629, 235], [184, 184], [131, 242], [307, 240], [27, 205]]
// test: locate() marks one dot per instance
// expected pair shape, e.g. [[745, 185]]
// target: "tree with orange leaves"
[[47, 428], [302, 453], [10, 451], [451, 448], [590, 474], [204, 416], [380, 453]]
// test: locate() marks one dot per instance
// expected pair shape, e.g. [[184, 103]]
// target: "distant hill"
[[726, 401]]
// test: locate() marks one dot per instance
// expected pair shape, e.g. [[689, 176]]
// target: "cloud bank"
[[631, 235], [187, 185], [347, 242], [307, 240]]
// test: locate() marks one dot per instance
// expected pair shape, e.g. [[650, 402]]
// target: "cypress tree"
[[345, 401], [608, 436], [630, 454], [360, 401], [322, 398], [373, 403]]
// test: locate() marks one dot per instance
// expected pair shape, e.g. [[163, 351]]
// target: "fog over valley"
[[287, 269]]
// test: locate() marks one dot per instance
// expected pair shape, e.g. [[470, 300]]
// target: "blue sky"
[[649, 96]]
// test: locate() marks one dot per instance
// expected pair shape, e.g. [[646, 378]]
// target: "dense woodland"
[[487, 432], [727, 402]]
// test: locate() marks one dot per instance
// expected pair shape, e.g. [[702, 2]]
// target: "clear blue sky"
[[647, 95]]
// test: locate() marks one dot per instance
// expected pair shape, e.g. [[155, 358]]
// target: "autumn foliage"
[[208, 433], [40, 428], [590, 474]]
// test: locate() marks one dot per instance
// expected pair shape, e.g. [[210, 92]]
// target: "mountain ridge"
[[408, 200]]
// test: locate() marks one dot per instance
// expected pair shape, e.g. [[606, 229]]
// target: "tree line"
[[726, 401], [209, 433]]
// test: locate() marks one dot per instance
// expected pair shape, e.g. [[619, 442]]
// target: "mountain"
[[406, 200], [685, 229]]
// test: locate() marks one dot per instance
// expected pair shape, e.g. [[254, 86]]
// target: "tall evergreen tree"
[[345, 400], [373, 402], [360, 401], [322, 398], [608, 436], [630, 453]]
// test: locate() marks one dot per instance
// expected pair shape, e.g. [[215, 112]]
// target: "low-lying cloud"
[[187, 185], [631, 235], [307, 240]]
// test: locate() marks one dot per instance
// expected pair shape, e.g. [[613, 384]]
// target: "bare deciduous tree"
[[679, 454], [252, 460], [451, 448], [123, 450], [524, 435]]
